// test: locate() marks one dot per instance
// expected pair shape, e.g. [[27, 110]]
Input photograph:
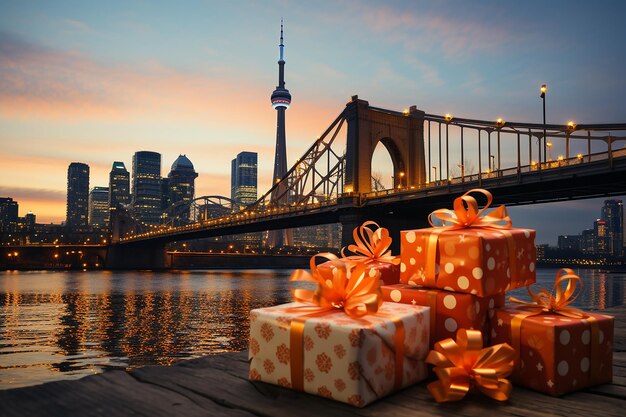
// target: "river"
[[64, 325]]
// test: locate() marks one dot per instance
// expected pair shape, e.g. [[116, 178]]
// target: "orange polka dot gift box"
[[476, 254], [449, 311], [559, 349], [340, 341]]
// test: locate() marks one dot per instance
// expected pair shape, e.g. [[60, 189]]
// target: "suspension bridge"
[[434, 157]]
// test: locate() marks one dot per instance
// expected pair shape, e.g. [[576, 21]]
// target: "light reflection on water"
[[65, 325]]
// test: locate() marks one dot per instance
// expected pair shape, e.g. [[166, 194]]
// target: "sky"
[[95, 82]]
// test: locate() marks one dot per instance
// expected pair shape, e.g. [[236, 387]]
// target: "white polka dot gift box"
[[343, 342], [449, 311], [471, 253], [559, 349]]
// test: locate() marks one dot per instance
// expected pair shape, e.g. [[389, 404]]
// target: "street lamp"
[[492, 162], [543, 99], [549, 144], [435, 176]]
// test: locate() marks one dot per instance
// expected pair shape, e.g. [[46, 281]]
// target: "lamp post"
[[550, 150], [543, 99], [435, 176], [492, 162]]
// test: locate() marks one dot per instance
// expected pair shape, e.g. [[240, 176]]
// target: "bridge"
[[434, 158]]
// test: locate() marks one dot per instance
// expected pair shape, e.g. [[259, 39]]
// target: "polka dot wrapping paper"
[[345, 359], [389, 273], [449, 311], [475, 261], [557, 354]]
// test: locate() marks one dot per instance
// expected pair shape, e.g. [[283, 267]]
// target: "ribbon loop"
[[466, 213], [341, 287], [372, 245], [464, 363], [556, 301]]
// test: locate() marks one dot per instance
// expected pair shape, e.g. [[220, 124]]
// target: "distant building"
[[569, 242], [602, 241], [181, 187], [9, 209], [146, 187], [541, 251], [613, 216], [320, 236], [588, 241], [99, 207], [77, 214], [243, 178], [119, 187]]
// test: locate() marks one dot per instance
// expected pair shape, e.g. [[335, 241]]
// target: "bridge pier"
[[140, 255]]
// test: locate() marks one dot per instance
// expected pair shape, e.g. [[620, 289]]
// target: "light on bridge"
[[405, 112], [348, 189], [571, 125], [448, 117], [579, 156], [500, 122], [543, 91], [560, 158]]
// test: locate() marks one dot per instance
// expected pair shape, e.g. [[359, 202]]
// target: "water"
[[65, 325]]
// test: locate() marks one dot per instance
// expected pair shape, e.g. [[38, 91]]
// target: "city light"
[[448, 117]]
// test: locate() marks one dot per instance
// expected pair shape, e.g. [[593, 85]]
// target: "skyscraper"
[[243, 180], [99, 207], [613, 216], [77, 196], [8, 214], [146, 190], [181, 186], [602, 244], [281, 99], [119, 186]]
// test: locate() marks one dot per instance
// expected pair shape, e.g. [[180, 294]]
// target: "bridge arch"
[[402, 134]]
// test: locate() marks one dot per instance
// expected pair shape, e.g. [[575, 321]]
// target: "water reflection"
[[64, 325], [61, 325]]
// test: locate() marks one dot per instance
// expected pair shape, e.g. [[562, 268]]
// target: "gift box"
[[481, 255], [339, 340], [449, 311], [351, 360], [371, 248], [559, 349]]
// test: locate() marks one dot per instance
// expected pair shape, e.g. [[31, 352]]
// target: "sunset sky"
[[96, 81]]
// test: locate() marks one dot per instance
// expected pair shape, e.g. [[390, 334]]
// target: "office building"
[[146, 187], [9, 209], [99, 207], [119, 187], [243, 180], [77, 213], [613, 216], [569, 242], [181, 188], [588, 241], [602, 241]]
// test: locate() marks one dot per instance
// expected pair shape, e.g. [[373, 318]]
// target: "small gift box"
[[339, 341], [559, 349], [476, 254], [371, 248], [449, 311]]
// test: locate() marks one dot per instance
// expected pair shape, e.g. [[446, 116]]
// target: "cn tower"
[[281, 99]]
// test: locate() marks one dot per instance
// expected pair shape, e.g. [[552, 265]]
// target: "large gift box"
[[449, 311], [371, 248], [343, 342], [476, 254], [559, 349]]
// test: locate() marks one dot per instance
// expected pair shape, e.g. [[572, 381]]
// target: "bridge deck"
[[218, 386]]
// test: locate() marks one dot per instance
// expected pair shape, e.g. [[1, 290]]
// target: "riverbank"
[[218, 385]]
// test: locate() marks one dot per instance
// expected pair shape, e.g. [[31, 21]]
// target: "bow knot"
[[556, 301], [463, 364], [466, 213], [372, 245], [341, 287]]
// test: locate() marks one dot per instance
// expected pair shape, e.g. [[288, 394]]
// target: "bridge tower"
[[281, 99]]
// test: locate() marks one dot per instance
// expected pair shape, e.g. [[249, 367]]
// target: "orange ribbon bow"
[[352, 290], [464, 363], [545, 302], [467, 214], [371, 245]]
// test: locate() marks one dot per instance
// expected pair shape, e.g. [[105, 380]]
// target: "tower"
[[243, 181], [77, 196], [99, 207], [119, 187], [146, 191], [181, 188], [281, 99]]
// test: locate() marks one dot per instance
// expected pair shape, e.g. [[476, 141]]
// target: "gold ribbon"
[[463, 364], [557, 302], [371, 245], [340, 289], [467, 215]]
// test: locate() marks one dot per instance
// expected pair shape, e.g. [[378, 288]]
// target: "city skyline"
[[56, 121]]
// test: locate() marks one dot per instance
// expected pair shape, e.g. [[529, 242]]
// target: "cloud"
[[21, 193]]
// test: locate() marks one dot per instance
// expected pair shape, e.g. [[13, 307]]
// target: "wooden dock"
[[218, 385]]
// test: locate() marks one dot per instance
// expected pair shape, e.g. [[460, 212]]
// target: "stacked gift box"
[[340, 340]]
